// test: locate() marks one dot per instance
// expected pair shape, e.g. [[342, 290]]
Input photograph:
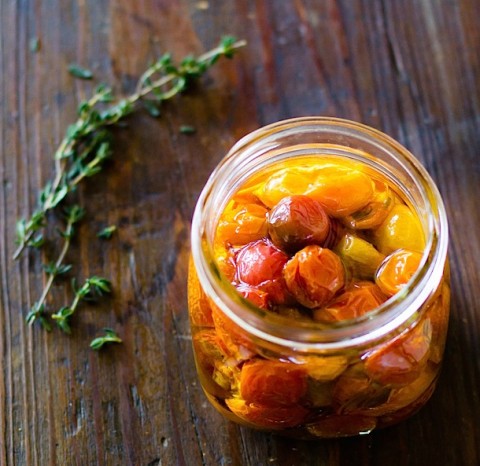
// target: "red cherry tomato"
[[272, 383], [259, 262], [254, 295], [297, 221]]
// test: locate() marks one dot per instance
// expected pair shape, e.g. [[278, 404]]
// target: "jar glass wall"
[[280, 356]]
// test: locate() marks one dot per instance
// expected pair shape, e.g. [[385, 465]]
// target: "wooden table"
[[409, 67]]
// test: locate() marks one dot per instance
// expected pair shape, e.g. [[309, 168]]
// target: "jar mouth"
[[256, 151]]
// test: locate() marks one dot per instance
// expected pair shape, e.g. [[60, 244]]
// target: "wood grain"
[[410, 68]]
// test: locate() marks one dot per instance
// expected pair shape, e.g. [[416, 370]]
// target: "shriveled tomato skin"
[[314, 275], [297, 221], [242, 223], [272, 383], [358, 299], [254, 295], [260, 264]]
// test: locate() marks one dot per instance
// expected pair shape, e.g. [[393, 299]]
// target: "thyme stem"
[[87, 134]]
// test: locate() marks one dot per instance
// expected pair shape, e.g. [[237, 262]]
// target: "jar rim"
[[397, 312]]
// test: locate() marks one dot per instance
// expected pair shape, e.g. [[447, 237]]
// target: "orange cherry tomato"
[[358, 299], [375, 212], [267, 417], [272, 383], [297, 221], [225, 261], [401, 361], [241, 223], [354, 392], [396, 270], [314, 275]]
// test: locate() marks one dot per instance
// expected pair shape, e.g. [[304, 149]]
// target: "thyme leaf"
[[109, 337], [79, 72]]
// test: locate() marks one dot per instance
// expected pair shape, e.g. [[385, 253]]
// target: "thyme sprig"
[[92, 285], [86, 144], [82, 153], [53, 269]]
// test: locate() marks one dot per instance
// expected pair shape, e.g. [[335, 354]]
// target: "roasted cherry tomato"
[[400, 229], [267, 417], [272, 383], [314, 275], [284, 182], [375, 212], [358, 299], [260, 264], [242, 223], [359, 256], [354, 392], [403, 397], [341, 189], [297, 221], [255, 295], [335, 234], [396, 270], [401, 360]]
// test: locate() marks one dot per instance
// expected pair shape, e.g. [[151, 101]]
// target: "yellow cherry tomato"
[[400, 230], [285, 182], [341, 189]]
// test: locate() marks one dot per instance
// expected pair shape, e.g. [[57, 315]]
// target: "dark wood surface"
[[409, 67]]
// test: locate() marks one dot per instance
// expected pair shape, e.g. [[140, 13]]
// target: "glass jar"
[[311, 379]]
